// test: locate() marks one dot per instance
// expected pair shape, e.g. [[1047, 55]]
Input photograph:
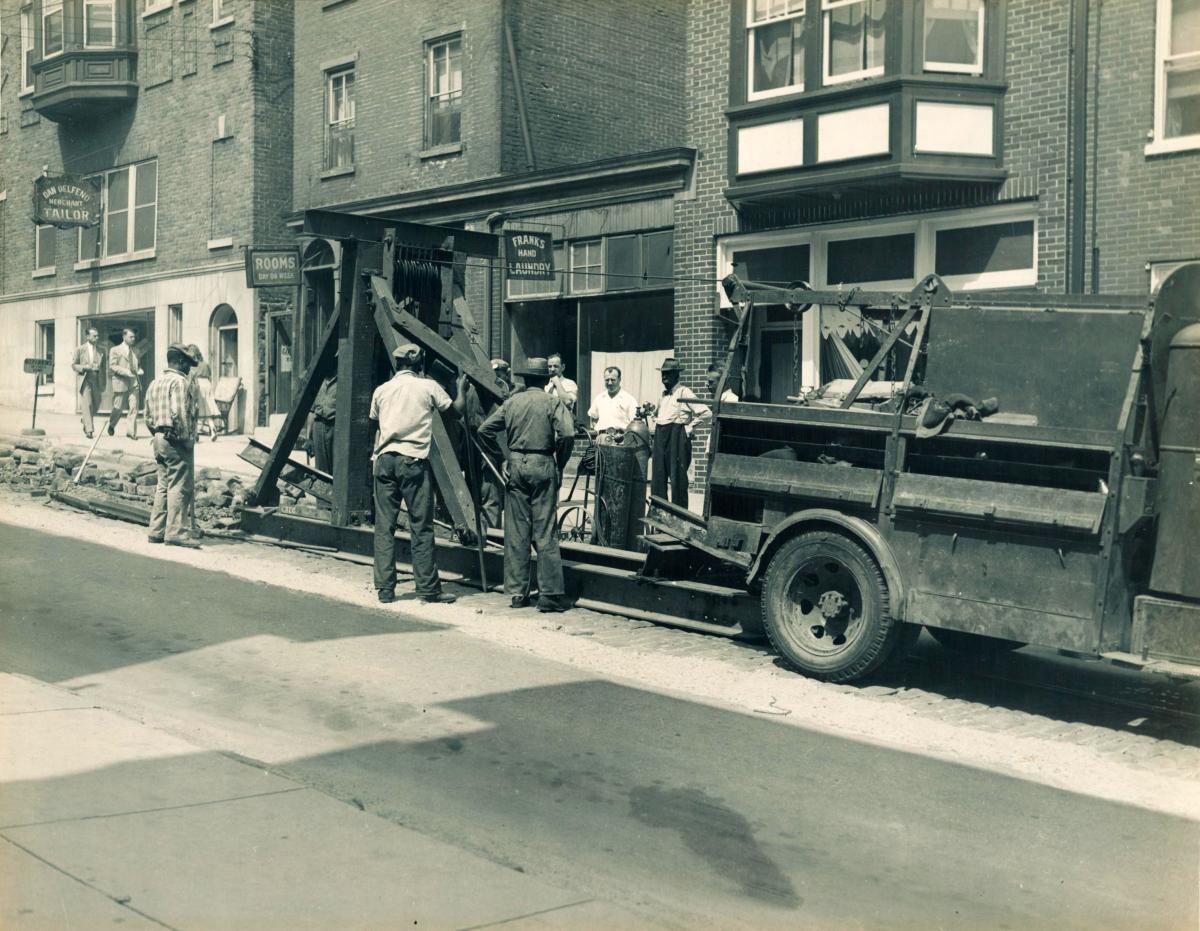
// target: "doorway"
[[282, 361], [111, 326]]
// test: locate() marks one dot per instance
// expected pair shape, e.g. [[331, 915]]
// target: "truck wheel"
[[974, 644], [825, 607]]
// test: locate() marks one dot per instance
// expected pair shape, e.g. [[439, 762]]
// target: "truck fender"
[[865, 533]]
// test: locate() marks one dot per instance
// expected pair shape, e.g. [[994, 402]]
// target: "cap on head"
[[535, 366], [500, 365], [407, 352], [190, 353], [671, 365]]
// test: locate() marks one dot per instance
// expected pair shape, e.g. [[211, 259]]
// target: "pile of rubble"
[[37, 467]]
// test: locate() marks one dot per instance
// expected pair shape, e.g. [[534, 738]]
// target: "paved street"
[[676, 812]]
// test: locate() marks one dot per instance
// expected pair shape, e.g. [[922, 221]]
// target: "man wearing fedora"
[[171, 417], [532, 421], [402, 411], [672, 437]]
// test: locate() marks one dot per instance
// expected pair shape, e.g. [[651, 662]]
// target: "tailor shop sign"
[[66, 202], [528, 256]]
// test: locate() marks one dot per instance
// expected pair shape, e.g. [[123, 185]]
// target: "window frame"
[[102, 257], [331, 75], [219, 16], [947, 67], [40, 270], [452, 95], [751, 26], [1163, 59], [829, 80], [40, 344], [28, 47], [49, 8], [598, 242], [112, 7]]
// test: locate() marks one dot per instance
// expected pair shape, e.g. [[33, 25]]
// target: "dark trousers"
[[404, 478], [322, 442], [672, 456], [530, 512], [562, 455], [491, 497]]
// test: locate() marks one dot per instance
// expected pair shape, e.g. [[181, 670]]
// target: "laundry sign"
[[529, 256], [66, 201]]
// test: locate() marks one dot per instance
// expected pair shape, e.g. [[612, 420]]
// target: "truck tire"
[[973, 644], [826, 607]]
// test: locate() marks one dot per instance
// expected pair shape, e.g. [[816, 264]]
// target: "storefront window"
[[586, 266]]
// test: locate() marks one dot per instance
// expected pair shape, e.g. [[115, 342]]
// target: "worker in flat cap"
[[672, 436], [402, 411], [171, 417], [531, 421]]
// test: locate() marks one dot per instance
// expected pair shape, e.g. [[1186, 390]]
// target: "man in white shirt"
[[672, 437], [402, 411], [561, 387], [613, 408]]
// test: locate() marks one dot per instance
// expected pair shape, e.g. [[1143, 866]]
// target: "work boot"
[[110, 430], [184, 542], [153, 539], [386, 596], [438, 598], [520, 601], [552, 604]]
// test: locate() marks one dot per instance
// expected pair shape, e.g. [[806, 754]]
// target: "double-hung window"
[[99, 26], [130, 198], [954, 36], [586, 264], [339, 119], [443, 119], [1177, 82], [776, 32], [855, 34], [44, 241], [44, 347], [27, 50], [52, 27]]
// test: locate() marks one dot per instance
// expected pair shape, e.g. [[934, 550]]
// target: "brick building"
[[181, 109], [1043, 144], [559, 116]]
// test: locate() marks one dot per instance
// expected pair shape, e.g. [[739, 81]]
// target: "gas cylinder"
[[1177, 555]]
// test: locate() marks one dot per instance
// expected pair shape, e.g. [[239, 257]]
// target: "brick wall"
[[1147, 206], [599, 79]]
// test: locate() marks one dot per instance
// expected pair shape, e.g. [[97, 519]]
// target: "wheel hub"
[[832, 605]]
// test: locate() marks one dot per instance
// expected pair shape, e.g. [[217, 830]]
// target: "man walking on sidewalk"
[[171, 418], [402, 410], [126, 383], [87, 366], [532, 422]]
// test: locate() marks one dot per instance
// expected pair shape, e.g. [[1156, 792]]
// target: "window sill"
[[46, 391], [1167, 146], [157, 8], [28, 92], [441, 151], [337, 173], [127, 257], [225, 242], [225, 21], [43, 272], [85, 265]]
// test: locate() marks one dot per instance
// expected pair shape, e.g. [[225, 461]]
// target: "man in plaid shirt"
[[171, 417]]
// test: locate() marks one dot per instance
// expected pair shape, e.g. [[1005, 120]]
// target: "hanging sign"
[[529, 256], [272, 267], [66, 202], [39, 366]]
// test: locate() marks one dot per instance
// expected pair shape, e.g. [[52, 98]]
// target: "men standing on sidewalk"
[[402, 410], [126, 383], [171, 419], [562, 389], [613, 408], [87, 366], [672, 437], [532, 422]]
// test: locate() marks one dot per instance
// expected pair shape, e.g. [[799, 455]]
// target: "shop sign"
[[66, 201], [272, 267], [38, 366], [529, 256]]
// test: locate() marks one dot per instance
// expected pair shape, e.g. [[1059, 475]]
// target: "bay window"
[[776, 35], [52, 27], [99, 23], [855, 34], [953, 33]]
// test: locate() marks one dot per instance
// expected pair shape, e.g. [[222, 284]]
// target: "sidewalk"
[[105, 820], [65, 430]]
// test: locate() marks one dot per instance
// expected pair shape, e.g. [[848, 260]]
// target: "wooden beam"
[[305, 478], [334, 224], [884, 349], [265, 491]]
